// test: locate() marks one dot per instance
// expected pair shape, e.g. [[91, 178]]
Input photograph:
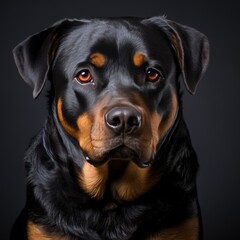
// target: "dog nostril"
[[123, 119], [116, 121], [113, 120], [133, 121]]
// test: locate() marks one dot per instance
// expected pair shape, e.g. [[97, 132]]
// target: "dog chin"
[[119, 154]]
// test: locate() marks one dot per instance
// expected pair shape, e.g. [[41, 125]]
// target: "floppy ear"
[[191, 48], [34, 55]]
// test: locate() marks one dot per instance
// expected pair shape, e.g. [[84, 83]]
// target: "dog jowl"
[[114, 159]]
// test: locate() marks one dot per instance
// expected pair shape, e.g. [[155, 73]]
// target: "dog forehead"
[[119, 39], [104, 35]]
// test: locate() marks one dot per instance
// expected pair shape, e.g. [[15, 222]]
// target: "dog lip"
[[120, 153]]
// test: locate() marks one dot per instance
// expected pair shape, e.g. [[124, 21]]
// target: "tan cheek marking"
[[84, 123], [92, 129], [164, 126], [160, 128], [188, 230], [134, 182], [151, 122], [98, 59], [35, 232], [83, 133], [155, 122], [93, 179], [73, 132], [139, 59]]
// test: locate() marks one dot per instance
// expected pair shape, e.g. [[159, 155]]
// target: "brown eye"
[[84, 76], [153, 75]]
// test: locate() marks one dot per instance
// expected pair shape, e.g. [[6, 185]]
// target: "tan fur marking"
[[150, 122], [164, 126], [82, 134], [98, 59], [84, 123], [139, 59], [188, 230], [93, 179], [35, 232], [134, 182], [155, 122], [92, 138], [73, 132]]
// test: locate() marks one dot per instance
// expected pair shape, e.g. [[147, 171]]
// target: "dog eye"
[[153, 75], [84, 76]]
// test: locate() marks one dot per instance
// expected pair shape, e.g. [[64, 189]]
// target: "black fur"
[[54, 198]]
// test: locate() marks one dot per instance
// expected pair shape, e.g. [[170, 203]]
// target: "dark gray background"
[[213, 114]]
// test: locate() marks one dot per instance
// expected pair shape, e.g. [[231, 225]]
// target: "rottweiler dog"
[[114, 160]]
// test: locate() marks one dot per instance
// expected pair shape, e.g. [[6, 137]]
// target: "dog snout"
[[125, 120]]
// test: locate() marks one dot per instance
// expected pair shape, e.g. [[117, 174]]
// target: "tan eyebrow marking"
[[98, 59], [139, 59]]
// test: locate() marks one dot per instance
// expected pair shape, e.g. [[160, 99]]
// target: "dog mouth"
[[120, 157]]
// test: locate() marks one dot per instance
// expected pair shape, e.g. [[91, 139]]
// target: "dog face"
[[111, 88], [115, 82]]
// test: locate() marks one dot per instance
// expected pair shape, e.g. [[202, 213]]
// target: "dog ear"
[[34, 55], [191, 49]]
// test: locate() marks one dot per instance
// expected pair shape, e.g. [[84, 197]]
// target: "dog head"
[[115, 81]]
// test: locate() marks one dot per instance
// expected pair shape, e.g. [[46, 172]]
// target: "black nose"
[[123, 119]]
